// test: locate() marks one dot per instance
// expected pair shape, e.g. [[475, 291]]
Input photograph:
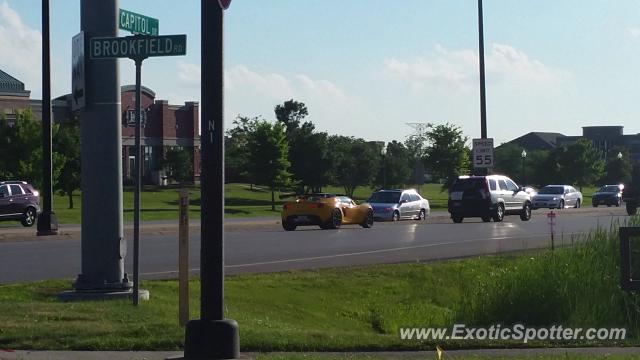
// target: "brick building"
[[164, 125]]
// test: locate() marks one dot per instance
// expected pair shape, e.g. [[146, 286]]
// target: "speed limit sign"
[[482, 153]]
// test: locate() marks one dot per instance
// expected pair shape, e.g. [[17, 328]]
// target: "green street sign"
[[138, 24], [137, 47]]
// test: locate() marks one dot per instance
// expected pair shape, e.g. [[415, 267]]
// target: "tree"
[[396, 166], [508, 161], [580, 163], [618, 169], [236, 153], [541, 167], [447, 155], [66, 143], [355, 162], [23, 140], [307, 149], [290, 114], [178, 165], [268, 151]]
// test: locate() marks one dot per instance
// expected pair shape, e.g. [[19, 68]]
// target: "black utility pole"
[[212, 336], [47, 221], [483, 98]]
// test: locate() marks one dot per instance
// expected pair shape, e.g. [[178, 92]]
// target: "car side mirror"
[[403, 201]]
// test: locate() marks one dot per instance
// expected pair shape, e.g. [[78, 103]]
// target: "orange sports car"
[[329, 211]]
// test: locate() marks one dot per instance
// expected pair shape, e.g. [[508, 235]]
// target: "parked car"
[[19, 201], [608, 195], [488, 197], [399, 204], [329, 211], [557, 197]]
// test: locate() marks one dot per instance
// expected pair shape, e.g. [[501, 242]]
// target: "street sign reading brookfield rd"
[[138, 24], [137, 46]]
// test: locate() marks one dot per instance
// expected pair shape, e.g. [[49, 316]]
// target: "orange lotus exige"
[[328, 211]]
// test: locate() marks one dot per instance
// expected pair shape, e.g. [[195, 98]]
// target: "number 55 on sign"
[[482, 153]]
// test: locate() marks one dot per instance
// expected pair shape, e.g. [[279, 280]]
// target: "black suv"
[[488, 197], [19, 201]]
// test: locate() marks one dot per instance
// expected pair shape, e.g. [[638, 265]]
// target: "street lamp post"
[[383, 152], [523, 155]]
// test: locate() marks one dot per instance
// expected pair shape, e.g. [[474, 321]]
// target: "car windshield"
[[385, 197], [609, 189], [551, 190], [468, 184]]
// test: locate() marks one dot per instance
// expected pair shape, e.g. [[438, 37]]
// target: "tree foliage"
[[66, 143], [446, 154], [290, 114], [178, 164], [268, 151], [355, 162], [579, 163], [396, 166]]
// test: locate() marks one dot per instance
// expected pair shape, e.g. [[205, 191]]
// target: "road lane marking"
[[325, 257]]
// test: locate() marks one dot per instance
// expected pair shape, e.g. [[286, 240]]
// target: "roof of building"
[[11, 86], [538, 140]]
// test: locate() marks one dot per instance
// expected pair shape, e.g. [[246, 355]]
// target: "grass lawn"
[[349, 309], [241, 200], [400, 356]]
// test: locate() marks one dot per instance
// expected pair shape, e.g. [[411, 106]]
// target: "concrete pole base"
[[47, 224], [84, 295], [211, 339]]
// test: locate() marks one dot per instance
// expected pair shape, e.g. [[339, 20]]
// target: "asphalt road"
[[268, 248]]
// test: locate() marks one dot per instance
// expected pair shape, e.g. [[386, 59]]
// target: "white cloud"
[[189, 74], [21, 52], [634, 32], [459, 68]]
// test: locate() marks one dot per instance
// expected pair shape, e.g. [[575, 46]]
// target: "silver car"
[[395, 205], [557, 197]]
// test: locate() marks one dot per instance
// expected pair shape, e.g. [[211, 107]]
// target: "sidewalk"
[[400, 355]]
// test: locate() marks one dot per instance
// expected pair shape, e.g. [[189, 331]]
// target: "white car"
[[557, 197], [398, 204]]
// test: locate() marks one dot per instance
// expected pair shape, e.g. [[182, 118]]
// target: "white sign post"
[[77, 72], [482, 153]]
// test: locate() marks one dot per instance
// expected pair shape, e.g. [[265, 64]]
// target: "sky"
[[366, 68]]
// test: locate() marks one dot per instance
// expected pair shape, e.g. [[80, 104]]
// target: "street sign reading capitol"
[[138, 24], [137, 46]]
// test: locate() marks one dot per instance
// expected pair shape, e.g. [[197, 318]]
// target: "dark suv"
[[488, 197], [19, 201]]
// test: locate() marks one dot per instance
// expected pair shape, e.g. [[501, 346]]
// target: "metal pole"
[[47, 222], [524, 177], [212, 336], [183, 258], [483, 99], [212, 173], [103, 244], [384, 172], [136, 194]]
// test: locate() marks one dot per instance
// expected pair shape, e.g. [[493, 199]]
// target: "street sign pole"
[[212, 336], [136, 195]]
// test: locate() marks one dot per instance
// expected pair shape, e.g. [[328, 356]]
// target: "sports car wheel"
[[561, 204], [368, 220], [396, 216], [288, 225], [336, 219], [422, 215]]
